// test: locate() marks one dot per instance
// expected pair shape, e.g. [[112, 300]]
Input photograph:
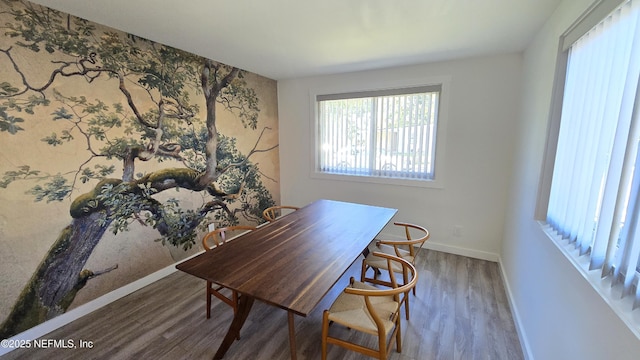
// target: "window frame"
[[610, 293], [380, 86]]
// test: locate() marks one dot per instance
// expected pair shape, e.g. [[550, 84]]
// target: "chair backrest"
[[409, 275], [219, 236], [415, 235], [272, 213]]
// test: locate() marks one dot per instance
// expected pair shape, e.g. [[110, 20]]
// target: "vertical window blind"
[[595, 189], [387, 133]]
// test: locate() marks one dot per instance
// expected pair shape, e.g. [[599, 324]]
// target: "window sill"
[[434, 184], [611, 295]]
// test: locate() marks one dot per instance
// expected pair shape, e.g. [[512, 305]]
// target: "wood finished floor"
[[460, 312]]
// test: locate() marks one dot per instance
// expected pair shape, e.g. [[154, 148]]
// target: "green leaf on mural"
[[61, 114], [52, 140], [23, 172], [8, 122], [54, 190], [7, 89]]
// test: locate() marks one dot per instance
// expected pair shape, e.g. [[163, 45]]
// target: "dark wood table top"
[[293, 262]]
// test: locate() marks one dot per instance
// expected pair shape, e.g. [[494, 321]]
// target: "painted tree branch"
[[54, 74], [254, 150]]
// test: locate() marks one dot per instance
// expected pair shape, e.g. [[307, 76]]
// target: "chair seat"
[[371, 310], [351, 311], [381, 263]]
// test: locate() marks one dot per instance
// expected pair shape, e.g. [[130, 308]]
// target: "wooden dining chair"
[[408, 249], [372, 310], [272, 213], [213, 239]]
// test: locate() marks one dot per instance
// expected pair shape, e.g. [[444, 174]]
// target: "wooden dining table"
[[292, 262]]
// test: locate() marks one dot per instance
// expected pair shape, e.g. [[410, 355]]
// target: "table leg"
[[292, 336], [244, 307]]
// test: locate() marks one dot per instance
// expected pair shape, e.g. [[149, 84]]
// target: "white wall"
[[482, 110], [558, 312]]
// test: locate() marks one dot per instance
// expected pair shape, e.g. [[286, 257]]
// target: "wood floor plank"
[[460, 311]]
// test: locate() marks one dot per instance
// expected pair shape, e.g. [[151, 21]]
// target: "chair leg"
[[398, 335], [382, 346], [406, 305], [325, 333]]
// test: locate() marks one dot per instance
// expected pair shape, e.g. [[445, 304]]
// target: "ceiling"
[[283, 39]]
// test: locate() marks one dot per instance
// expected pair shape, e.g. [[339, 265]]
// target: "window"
[[387, 134], [595, 189]]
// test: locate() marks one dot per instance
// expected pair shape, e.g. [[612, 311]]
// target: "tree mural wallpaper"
[[109, 137]]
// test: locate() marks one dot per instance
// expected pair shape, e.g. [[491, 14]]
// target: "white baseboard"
[[46, 327], [476, 254], [526, 349], [433, 245]]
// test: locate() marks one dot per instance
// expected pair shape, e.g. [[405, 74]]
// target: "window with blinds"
[[595, 188], [386, 134]]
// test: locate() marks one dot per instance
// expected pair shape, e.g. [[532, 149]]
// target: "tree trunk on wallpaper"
[[151, 117], [59, 276]]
